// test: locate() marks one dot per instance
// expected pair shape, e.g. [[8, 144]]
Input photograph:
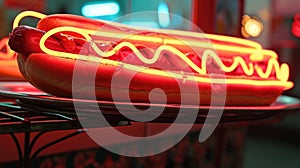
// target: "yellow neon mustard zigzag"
[[247, 68]]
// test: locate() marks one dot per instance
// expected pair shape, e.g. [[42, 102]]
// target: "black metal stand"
[[27, 154]]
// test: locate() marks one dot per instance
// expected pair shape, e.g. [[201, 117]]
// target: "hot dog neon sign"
[[254, 50]]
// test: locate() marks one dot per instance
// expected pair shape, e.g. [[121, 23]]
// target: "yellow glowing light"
[[281, 72], [254, 50], [251, 26], [237, 61], [21, 15], [180, 75]]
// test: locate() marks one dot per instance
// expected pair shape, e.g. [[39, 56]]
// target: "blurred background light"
[[97, 9], [251, 26], [146, 24], [163, 15], [296, 25]]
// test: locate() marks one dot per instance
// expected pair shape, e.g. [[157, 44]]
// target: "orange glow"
[[5, 52], [255, 51], [9, 68], [252, 27]]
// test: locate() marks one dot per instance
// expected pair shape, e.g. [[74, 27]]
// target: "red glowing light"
[[296, 25]]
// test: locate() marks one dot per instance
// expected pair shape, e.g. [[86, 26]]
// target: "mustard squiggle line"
[[116, 48], [247, 68], [281, 71]]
